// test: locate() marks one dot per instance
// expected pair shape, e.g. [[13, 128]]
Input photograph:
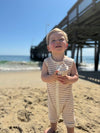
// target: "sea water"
[[18, 63], [24, 63]]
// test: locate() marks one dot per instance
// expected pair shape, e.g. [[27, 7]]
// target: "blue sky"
[[26, 22]]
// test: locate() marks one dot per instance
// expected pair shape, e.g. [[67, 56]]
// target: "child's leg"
[[52, 129], [68, 116], [70, 129]]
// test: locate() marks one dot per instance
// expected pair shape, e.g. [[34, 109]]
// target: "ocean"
[[18, 63], [24, 63]]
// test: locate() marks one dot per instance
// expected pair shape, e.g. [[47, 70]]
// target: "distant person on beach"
[[57, 43]]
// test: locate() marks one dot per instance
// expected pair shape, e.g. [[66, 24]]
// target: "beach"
[[23, 103]]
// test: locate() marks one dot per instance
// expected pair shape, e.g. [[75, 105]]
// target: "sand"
[[23, 103]]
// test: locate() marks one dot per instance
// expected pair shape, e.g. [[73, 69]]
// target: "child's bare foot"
[[49, 130]]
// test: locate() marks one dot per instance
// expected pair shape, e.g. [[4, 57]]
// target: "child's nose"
[[57, 40]]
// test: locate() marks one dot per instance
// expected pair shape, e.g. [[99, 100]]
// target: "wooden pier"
[[82, 24]]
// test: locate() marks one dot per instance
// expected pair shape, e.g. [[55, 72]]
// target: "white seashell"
[[62, 69]]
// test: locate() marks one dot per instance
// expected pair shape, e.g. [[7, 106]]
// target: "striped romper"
[[65, 93]]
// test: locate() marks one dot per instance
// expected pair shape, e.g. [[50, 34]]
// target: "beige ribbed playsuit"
[[65, 93]]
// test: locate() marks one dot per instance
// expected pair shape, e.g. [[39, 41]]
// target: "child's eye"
[[53, 40], [61, 40]]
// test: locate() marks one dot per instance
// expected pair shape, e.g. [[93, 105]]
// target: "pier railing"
[[79, 8]]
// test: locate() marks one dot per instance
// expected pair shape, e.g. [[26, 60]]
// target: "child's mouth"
[[58, 46]]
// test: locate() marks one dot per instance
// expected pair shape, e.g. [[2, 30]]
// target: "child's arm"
[[69, 79], [45, 76]]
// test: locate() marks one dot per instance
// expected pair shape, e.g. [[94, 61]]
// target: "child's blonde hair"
[[53, 31]]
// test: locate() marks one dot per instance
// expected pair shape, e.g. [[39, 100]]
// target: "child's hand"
[[55, 75], [64, 79]]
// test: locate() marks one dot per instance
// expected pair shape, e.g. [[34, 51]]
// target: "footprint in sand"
[[16, 129], [23, 115], [82, 128]]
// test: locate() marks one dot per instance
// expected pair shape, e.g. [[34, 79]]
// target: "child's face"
[[57, 43]]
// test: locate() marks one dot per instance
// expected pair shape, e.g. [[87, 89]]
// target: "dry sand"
[[23, 103]]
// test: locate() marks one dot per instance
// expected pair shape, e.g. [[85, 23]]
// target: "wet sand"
[[23, 103]]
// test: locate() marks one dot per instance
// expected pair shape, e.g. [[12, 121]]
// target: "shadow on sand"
[[91, 76]]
